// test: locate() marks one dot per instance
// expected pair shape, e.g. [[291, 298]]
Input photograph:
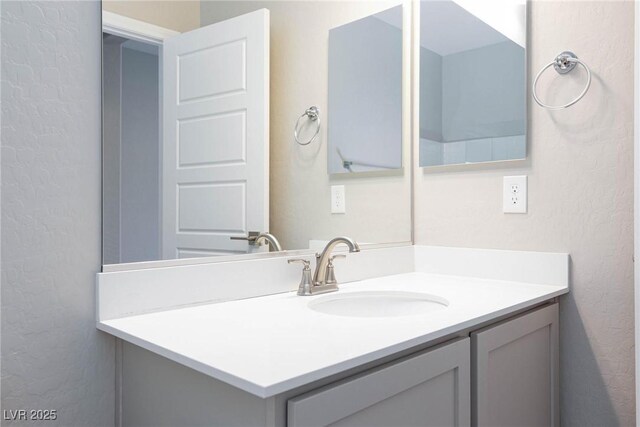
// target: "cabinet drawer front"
[[427, 389], [515, 371]]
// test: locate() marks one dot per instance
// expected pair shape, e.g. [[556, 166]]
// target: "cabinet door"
[[515, 371], [427, 389]]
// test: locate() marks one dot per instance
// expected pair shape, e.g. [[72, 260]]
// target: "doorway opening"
[[131, 149]]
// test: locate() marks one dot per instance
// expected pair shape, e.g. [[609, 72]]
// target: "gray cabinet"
[[503, 375], [515, 371], [431, 388]]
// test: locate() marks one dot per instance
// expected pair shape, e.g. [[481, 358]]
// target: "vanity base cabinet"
[[505, 374], [427, 388], [431, 388], [157, 392], [515, 380]]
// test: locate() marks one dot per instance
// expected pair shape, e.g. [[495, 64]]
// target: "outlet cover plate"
[[338, 202], [514, 194]]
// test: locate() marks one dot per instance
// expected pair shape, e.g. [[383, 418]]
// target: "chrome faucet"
[[324, 262], [324, 278], [275, 244]]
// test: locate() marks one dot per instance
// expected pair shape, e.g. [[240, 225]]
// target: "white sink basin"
[[378, 304]]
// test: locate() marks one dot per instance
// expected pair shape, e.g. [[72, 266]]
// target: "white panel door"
[[215, 137]]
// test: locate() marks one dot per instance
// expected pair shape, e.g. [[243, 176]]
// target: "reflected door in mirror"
[[181, 183], [216, 151]]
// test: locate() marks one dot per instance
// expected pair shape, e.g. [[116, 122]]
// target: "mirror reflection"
[[365, 94], [200, 100], [472, 81]]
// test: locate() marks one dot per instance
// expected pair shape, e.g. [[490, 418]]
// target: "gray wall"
[[477, 93], [484, 92], [140, 158], [430, 95], [365, 94], [472, 105], [52, 355]]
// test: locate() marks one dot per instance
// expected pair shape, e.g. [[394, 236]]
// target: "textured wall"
[[52, 355], [378, 208], [580, 172]]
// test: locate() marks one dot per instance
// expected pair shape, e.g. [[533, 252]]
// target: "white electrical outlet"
[[514, 194], [338, 202]]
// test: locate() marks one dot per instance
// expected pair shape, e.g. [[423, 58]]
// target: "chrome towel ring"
[[313, 114], [563, 63]]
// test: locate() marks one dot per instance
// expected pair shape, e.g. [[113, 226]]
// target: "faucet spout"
[[320, 275], [275, 244]]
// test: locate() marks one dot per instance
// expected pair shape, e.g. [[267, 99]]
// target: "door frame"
[[133, 29]]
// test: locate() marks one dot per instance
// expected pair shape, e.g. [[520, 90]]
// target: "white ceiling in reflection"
[[445, 28], [448, 27]]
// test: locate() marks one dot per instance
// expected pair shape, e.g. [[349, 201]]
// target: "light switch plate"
[[338, 202], [514, 194]]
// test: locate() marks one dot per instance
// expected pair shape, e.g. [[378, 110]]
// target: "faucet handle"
[[336, 257], [305, 287], [303, 261], [331, 274]]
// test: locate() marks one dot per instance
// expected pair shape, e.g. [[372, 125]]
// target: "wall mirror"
[[200, 99], [365, 94], [472, 81]]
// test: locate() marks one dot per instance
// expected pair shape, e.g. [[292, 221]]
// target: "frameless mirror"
[[365, 94], [200, 99], [472, 81]]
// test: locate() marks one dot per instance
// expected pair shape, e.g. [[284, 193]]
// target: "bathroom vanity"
[[415, 336], [211, 329]]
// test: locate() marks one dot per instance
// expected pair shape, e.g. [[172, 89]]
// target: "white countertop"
[[272, 344]]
